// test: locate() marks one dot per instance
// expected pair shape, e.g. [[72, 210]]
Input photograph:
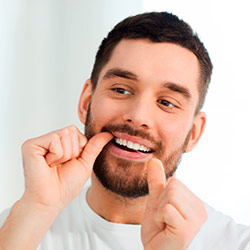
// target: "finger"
[[54, 147], [78, 141], [67, 149], [75, 150], [181, 198], [191, 198], [82, 140], [178, 200], [156, 178], [93, 148], [170, 216], [70, 138]]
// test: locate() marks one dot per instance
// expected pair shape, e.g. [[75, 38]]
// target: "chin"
[[126, 178]]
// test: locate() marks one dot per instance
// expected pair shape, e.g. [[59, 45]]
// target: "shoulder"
[[221, 232]]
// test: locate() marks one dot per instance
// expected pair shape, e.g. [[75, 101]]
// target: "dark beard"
[[121, 180]]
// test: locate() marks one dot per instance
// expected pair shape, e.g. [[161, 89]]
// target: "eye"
[[166, 103], [122, 91]]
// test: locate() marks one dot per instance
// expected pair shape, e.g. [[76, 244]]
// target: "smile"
[[131, 146]]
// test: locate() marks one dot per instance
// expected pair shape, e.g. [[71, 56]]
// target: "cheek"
[[174, 133], [105, 112]]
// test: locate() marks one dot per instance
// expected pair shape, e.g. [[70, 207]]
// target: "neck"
[[113, 207]]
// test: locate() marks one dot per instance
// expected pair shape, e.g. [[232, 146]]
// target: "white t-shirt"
[[78, 227]]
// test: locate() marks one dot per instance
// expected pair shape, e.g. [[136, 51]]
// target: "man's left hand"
[[173, 216]]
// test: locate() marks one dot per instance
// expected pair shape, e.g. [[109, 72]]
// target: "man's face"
[[146, 97]]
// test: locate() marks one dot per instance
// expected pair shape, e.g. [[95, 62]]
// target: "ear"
[[197, 130], [84, 101]]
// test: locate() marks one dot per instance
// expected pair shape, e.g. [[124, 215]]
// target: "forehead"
[[156, 63]]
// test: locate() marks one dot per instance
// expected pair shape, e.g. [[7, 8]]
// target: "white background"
[[47, 50], [218, 169]]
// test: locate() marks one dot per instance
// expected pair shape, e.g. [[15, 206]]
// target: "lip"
[[133, 139], [121, 153]]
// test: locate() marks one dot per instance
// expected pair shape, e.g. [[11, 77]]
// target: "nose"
[[139, 113]]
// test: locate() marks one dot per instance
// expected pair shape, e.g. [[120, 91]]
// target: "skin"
[[151, 65], [52, 163], [171, 215]]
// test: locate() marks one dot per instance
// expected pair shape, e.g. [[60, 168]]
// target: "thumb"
[[93, 149], [156, 178]]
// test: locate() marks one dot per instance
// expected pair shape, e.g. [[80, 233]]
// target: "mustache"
[[124, 128]]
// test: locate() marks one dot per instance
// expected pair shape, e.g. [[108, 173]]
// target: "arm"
[[26, 225], [56, 167]]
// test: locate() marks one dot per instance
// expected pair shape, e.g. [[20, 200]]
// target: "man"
[[142, 111]]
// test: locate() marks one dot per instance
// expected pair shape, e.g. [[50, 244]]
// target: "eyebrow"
[[117, 72], [120, 73], [179, 89]]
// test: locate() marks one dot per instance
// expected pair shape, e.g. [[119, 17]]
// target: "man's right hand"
[[56, 167], [58, 164]]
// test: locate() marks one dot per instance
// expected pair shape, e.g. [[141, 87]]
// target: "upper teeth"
[[131, 145]]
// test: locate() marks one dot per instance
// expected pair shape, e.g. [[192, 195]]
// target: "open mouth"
[[131, 146]]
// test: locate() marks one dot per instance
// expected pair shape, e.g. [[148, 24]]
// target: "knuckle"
[[65, 131], [175, 182], [75, 152], [55, 145], [72, 128], [66, 156], [59, 154], [165, 211], [55, 137], [172, 194], [26, 145], [168, 209]]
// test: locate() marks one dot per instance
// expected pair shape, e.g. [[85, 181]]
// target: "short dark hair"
[[156, 27]]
